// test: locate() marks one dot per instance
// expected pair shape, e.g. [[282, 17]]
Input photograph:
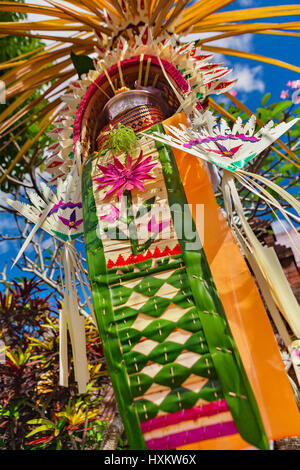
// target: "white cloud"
[[3, 196], [244, 42], [246, 3], [46, 243], [249, 78], [8, 247]]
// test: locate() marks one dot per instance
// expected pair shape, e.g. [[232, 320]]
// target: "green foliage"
[[280, 107], [265, 99], [13, 46], [82, 63], [121, 139]]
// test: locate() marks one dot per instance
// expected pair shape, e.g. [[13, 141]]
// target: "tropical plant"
[[34, 411], [23, 311]]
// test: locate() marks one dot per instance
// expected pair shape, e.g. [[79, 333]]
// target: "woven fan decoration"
[[187, 340]]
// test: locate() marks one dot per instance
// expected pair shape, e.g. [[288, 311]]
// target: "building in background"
[[273, 234]]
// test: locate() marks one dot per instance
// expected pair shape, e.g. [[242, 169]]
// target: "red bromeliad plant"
[[23, 310], [34, 411]]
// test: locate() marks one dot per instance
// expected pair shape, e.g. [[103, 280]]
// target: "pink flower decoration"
[[284, 94], [113, 214], [123, 177], [296, 84], [153, 226], [233, 92]]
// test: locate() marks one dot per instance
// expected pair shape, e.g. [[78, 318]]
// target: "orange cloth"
[[244, 309]]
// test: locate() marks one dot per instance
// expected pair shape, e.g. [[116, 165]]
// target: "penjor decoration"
[[188, 343]]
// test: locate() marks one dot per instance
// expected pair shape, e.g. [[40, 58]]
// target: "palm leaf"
[[44, 124], [295, 160], [244, 108], [250, 55], [74, 23]]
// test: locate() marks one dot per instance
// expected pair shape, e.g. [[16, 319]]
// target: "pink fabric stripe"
[[170, 68], [210, 409], [194, 435]]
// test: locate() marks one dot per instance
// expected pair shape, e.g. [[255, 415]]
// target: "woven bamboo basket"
[[90, 115]]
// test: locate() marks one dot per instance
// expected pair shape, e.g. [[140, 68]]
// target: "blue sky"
[[285, 48], [255, 80]]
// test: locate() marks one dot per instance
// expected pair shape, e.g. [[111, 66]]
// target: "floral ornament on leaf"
[[155, 227], [125, 177], [212, 141], [72, 223], [59, 207], [223, 150], [64, 205], [113, 214]]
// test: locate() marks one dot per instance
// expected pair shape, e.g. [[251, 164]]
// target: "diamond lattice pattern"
[[163, 343]]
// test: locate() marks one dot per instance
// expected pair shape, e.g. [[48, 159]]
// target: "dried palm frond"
[[86, 26]]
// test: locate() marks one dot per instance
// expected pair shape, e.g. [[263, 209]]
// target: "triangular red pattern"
[[137, 259], [120, 261], [166, 251], [156, 253], [145, 36], [176, 250], [131, 259]]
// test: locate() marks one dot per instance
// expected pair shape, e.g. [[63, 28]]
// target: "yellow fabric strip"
[[244, 308]]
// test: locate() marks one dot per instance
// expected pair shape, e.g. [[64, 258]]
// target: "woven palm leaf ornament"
[[231, 150], [60, 215], [188, 344]]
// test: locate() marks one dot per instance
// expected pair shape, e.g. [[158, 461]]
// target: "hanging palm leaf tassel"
[[265, 257], [71, 320]]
